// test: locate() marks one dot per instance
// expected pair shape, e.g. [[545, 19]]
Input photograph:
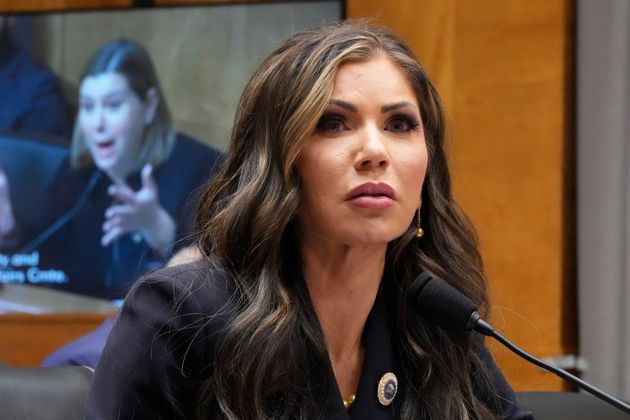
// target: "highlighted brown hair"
[[270, 362]]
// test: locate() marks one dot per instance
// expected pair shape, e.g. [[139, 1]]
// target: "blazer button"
[[387, 389]]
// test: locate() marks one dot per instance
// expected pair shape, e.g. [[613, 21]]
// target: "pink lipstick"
[[372, 195]]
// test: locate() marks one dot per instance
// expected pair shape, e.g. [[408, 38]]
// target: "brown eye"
[[401, 124], [331, 124]]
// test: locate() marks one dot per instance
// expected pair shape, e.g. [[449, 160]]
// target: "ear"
[[151, 102]]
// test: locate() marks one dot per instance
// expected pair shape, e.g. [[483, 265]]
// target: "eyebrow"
[[115, 93], [391, 107], [384, 108], [344, 104]]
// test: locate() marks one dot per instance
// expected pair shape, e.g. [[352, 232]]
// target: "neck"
[[342, 282], [119, 175], [343, 287]]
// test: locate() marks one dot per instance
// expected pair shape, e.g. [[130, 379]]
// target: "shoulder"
[[196, 287], [189, 165], [32, 73], [162, 347], [172, 317], [180, 178], [186, 144], [196, 152]]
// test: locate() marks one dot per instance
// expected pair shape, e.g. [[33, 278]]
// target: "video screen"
[[111, 122]]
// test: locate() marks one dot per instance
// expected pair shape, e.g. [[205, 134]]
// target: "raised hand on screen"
[[139, 211], [7, 219]]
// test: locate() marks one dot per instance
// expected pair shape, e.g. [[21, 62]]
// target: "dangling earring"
[[419, 230]]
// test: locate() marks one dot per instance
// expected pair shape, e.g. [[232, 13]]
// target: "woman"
[[128, 183], [311, 234]]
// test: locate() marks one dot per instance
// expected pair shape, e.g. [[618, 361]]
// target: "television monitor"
[[203, 56]]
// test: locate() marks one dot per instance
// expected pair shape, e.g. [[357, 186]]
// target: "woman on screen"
[[124, 126], [124, 200], [334, 197]]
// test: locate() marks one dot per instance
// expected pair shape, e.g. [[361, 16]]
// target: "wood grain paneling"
[[12, 6], [47, 5], [427, 26], [28, 339], [504, 70]]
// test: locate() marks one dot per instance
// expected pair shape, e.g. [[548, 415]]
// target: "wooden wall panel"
[[504, 70], [43, 5], [28, 339], [11, 6], [428, 26]]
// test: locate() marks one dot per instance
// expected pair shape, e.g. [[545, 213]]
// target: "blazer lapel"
[[381, 357], [335, 409]]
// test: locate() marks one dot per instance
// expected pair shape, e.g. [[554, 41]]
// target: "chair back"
[[569, 406], [30, 165], [46, 393]]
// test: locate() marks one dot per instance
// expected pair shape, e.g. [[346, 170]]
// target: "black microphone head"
[[440, 303]]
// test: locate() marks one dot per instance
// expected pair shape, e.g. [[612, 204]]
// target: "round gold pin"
[[387, 389]]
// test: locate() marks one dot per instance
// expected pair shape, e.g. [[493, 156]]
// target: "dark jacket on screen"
[[31, 98], [108, 272]]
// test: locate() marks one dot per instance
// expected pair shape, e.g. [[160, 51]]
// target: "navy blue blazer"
[[31, 98], [159, 353]]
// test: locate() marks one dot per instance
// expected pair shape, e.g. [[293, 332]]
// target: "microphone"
[[65, 218], [453, 311]]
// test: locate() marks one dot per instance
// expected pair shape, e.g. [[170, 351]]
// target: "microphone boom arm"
[[450, 309], [47, 233], [482, 327]]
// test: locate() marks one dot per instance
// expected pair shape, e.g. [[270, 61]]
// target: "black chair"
[[52, 393], [568, 406], [30, 164]]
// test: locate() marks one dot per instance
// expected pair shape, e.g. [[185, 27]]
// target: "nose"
[[373, 151], [99, 120]]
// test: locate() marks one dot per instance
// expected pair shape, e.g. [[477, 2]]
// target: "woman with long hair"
[[125, 191], [335, 195]]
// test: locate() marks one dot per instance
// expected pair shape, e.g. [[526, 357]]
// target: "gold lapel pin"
[[387, 388]]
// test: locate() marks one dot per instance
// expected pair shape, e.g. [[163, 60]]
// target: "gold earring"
[[419, 230]]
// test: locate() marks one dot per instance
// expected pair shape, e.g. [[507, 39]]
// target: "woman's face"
[[363, 167], [112, 119]]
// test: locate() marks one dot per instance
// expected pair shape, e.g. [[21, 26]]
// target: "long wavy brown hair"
[[271, 361]]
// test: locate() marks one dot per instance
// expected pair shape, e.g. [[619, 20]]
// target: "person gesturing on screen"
[[130, 181], [113, 119]]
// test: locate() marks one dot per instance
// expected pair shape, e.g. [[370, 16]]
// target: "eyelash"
[[411, 123], [114, 104], [330, 118], [89, 106]]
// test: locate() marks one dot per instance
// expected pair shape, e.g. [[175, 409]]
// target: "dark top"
[[158, 353], [31, 98], [75, 249]]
